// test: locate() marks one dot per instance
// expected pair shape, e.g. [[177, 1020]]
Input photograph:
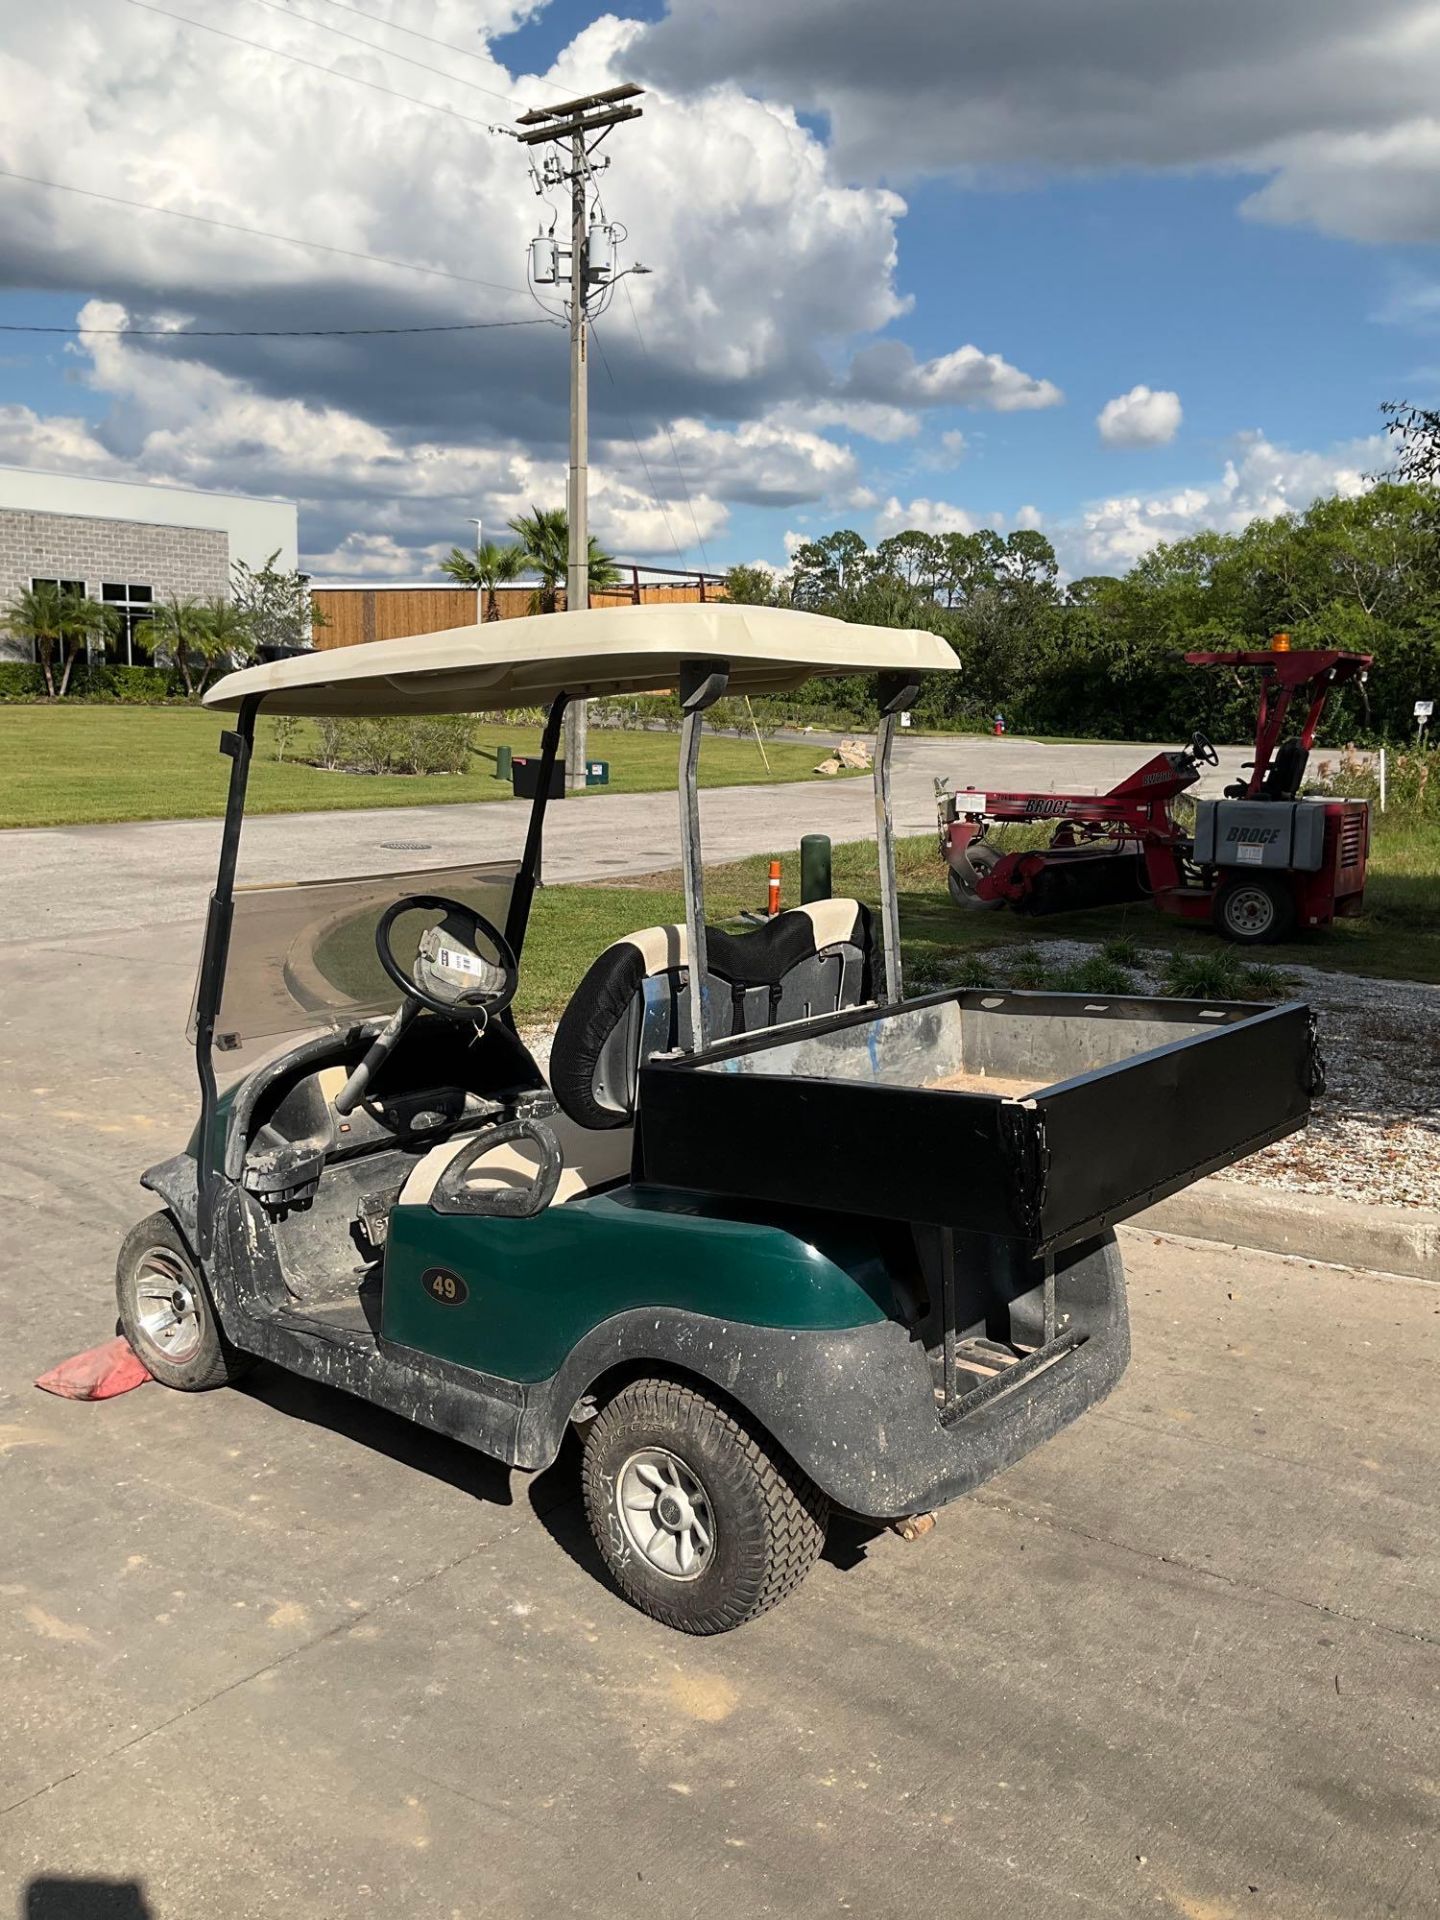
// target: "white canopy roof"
[[597, 652]]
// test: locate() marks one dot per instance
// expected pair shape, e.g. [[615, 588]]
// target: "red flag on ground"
[[98, 1374]]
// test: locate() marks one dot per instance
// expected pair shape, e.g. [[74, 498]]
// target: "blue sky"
[[1085, 221]]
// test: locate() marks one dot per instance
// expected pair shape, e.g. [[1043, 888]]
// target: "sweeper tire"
[[701, 1520], [1255, 910], [976, 860], [166, 1312]]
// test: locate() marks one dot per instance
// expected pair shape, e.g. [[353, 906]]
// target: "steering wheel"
[[1202, 748], [446, 975]]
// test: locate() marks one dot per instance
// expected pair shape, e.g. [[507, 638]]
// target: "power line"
[[270, 333], [316, 66], [387, 53], [450, 46], [256, 233]]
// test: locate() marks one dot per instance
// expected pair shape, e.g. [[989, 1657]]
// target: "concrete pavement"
[[58, 882], [271, 1651]]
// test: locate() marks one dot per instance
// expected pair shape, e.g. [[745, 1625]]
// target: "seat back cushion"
[[811, 959]]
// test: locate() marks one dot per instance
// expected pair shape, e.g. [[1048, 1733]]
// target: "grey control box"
[[1287, 834]]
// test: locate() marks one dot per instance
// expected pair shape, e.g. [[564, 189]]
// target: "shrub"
[[392, 744], [1095, 974], [1124, 951], [21, 680], [1412, 781], [1029, 970]]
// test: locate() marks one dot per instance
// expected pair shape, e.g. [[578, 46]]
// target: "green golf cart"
[[773, 1238]]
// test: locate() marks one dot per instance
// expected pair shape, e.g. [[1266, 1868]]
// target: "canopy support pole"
[[518, 917], [239, 745], [701, 684], [896, 694]]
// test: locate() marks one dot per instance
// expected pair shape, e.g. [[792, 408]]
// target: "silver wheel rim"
[[1250, 910], [167, 1306], [665, 1513]]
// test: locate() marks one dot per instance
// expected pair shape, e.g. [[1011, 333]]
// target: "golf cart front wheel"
[[1255, 911], [166, 1312], [702, 1523]]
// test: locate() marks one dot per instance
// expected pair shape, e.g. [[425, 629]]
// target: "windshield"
[[303, 956]]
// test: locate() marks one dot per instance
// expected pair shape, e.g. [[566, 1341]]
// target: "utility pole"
[[575, 121]]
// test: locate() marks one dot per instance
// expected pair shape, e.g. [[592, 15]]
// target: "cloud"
[[888, 372], [398, 437], [1144, 417], [1333, 102], [923, 516], [1259, 481], [766, 463]]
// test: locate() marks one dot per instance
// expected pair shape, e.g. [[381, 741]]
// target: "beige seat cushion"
[[592, 1158]]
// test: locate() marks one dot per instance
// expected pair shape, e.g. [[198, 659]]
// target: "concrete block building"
[[130, 545]]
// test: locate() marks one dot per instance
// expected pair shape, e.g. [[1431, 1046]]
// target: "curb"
[[1314, 1226]]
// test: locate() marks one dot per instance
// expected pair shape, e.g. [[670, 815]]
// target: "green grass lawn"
[[70, 766], [1397, 937]]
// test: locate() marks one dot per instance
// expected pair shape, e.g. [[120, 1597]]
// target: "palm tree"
[[225, 635], [178, 626], [544, 535], [489, 566], [59, 624]]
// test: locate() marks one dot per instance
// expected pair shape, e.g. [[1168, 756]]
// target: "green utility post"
[[815, 883], [503, 769]]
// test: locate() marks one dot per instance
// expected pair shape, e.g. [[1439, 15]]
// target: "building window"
[[133, 607]]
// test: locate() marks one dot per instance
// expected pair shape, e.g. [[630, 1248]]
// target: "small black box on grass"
[[597, 773], [526, 770]]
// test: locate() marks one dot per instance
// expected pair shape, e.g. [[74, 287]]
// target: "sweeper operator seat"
[[809, 960]]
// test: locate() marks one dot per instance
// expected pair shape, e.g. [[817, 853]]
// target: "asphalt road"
[[63, 881], [270, 1651]]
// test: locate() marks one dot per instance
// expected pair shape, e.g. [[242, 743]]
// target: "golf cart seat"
[[809, 960]]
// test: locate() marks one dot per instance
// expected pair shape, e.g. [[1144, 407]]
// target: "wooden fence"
[[353, 615]]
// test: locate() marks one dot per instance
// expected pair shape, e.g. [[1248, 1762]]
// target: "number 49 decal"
[[442, 1285]]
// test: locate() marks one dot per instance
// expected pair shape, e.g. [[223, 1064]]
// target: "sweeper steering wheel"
[[436, 978], [1202, 748]]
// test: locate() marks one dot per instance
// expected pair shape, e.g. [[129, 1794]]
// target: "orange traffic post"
[[774, 902]]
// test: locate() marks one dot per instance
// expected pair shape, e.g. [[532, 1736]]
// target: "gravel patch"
[[1374, 1134]]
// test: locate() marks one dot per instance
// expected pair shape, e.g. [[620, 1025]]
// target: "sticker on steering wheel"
[[458, 961]]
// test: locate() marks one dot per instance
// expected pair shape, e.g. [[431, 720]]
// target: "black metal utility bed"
[[1039, 1117]]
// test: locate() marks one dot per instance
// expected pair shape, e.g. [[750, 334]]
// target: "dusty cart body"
[[783, 1242]]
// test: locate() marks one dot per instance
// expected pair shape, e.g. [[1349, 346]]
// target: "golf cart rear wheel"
[[166, 1312], [1255, 911], [702, 1522]]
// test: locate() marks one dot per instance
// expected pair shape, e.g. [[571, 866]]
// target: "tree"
[[753, 587], [225, 637], [276, 604], [59, 625], [832, 566], [544, 536], [177, 627], [1417, 429], [485, 568]]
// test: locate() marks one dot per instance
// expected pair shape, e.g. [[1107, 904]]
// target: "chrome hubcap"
[[665, 1513], [166, 1305]]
